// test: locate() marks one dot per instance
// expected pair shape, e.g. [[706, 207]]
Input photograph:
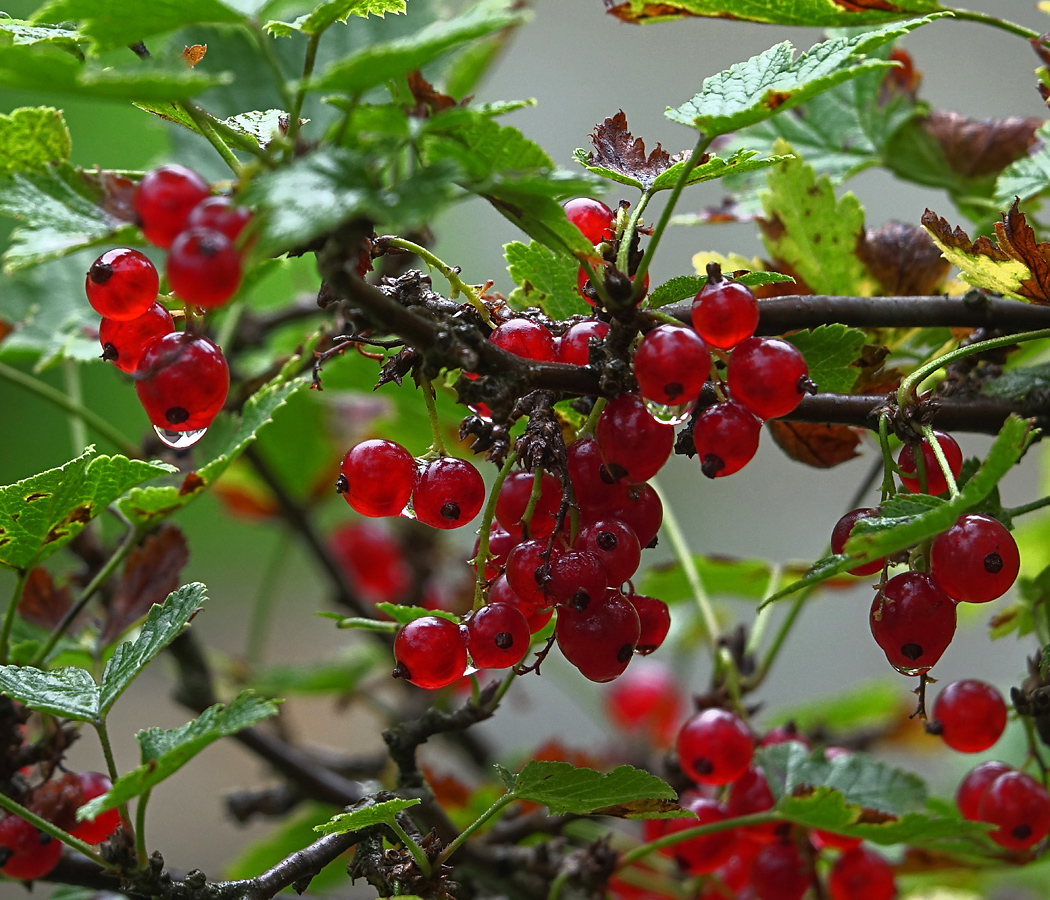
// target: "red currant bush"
[[975, 560], [768, 376], [725, 312], [703, 854], [913, 621], [182, 381], [220, 214], [779, 872], [123, 343], [632, 443], [726, 438], [203, 268], [431, 652], [935, 482], [122, 284], [574, 347], [449, 492], [599, 639], [969, 715], [655, 618], [525, 338], [615, 545], [376, 477], [715, 747], [164, 199], [513, 501]]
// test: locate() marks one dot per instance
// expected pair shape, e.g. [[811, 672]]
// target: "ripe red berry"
[[1020, 807], [646, 701], [182, 381], [431, 652], [860, 874], [536, 614], [595, 488], [970, 715], [501, 542], [615, 545], [913, 621], [220, 214], [592, 217], [498, 636], [376, 477], [972, 787], [935, 482], [203, 268], [655, 618], [750, 793], [726, 438], [95, 831], [449, 492], [641, 509], [841, 532], [513, 500], [779, 872], [164, 199], [122, 284], [768, 375], [123, 343], [528, 567], [632, 443], [975, 560], [27, 853], [715, 747], [599, 639], [373, 560], [525, 338], [671, 365], [574, 346], [576, 578], [703, 854], [724, 312]]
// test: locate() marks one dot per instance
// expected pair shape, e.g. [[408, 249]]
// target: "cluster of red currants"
[[1014, 802], [181, 377], [913, 616]]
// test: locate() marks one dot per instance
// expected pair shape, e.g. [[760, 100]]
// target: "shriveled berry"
[[164, 199], [972, 787], [969, 715], [976, 560], [671, 365], [203, 267], [767, 375], [913, 621], [123, 343], [376, 477], [498, 636], [600, 640], [632, 443], [841, 532], [726, 438], [725, 312], [448, 493], [122, 284], [715, 747], [860, 874], [935, 481], [431, 652], [182, 381], [1020, 807]]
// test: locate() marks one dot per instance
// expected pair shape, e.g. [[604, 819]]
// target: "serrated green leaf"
[[1016, 384], [483, 148], [906, 504], [20, 32], [814, 13], [829, 351], [747, 579], [163, 624], [341, 676], [32, 137], [546, 279], [741, 162], [812, 231], [562, 788], [773, 81], [68, 692], [869, 705], [42, 513], [381, 813], [1027, 176], [329, 13], [682, 287], [824, 568], [165, 752], [403, 614]]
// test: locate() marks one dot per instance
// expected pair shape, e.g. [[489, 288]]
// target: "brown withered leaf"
[[151, 573], [619, 150], [193, 55], [43, 603], [975, 148], [1017, 238], [874, 377], [428, 100], [819, 446], [903, 259], [57, 800], [5, 329], [626, 12], [903, 78], [640, 809]]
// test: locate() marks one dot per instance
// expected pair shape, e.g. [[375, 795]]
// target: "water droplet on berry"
[[180, 439], [670, 415]]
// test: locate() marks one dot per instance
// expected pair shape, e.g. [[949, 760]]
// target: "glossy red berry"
[[498, 636], [913, 621], [537, 614], [373, 560], [655, 618], [724, 312], [829, 840], [703, 854], [203, 268], [513, 501], [632, 443], [671, 365], [1020, 807], [935, 483], [449, 493], [592, 217], [164, 199], [615, 545], [182, 381], [431, 652], [376, 477], [95, 831], [975, 560], [525, 338], [841, 532], [599, 639], [528, 567], [726, 438], [972, 787], [576, 578], [574, 347], [767, 375], [750, 793], [860, 874], [26, 853], [220, 214], [123, 343], [501, 542], [970, 715], [595, 488], [642, 511], [715, 747], [779, 872], [647, 701], [122, 284]]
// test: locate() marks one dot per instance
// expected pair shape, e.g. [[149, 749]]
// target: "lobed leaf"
[[340, 676], [375, 813], [21, 32], [830, 351], [1028, 176], [814, 13], [69, 692], [403, 614], [327, 14], [562, 788], [32, 137], [1016, 384], [682, 287], [545, 279]]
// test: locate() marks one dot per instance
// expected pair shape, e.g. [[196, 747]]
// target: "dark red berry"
[[182, 381], [220, 214], [726, 438], [527, 570], [525, 338], [498, 636], [970, 715], [841, 532], [600, 640], [122, 284], [778, 872], [750, 793], [975, 560], [913, 621], [703, 854], [671, 365], [501, 542], [655, 618], [829, 840], [431, 652], [30, 854], [715, 747], [767, 375], [724, 312], [576, 578], [642, 511], [860, 874], [935, 482], [513, 500], [536, 614], [592, 217], [574, 346], [781, 734], [632, 443], [203, 268], [449, 493], [596, 489], [373, 560], [647, 701], [615, 545], [95, 831], [376, 477], [123, 343], [972, 788], [164, 199], [1020, 807]]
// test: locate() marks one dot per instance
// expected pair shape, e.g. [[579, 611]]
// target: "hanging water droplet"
[[670, 415], [180, 440]]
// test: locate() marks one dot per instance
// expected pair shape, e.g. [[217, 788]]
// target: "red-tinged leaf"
[[193, 55], [43, 603], [448, 790], [975, 148], [819, 446], [152, 572], [620, 151], [428, 100], [904, 260]]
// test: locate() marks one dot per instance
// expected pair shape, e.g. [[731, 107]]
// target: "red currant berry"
[[1020, 807], [95, 831], [970, 715], [513, 500], [576, 578], [615, 545], [528, 569], [203, 268], [972, 788], [123, 343], [220, 214], [642, 511], [769, 376], [498, 636], [715, 747], [592, 217], [913, 621], [501, 542], [655, 618], [781, 734], [431, 652], [449, 493], [935, 483], [182, 381], [828, 840], [536, 614], [599, 639], [574, 348], [122, 284], [724, 312], [975, 560], [671, 365], [750, 793], [596, 489], [373, 560], [525, 338], [779, 872], [30, 854], [841, 532], [164, 199], [376, 477], [861, 875], [704, 854], [726, 438], [632, 443], [646, 701]]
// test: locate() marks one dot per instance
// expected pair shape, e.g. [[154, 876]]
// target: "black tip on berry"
[[176, 415], [993, 563], [934, 727], [807, 385], [714, 273], [625, 653], [605, 475], [401, 671], [673, 390], [712, 465], [1022, 832], [580, 601], [912, 651], [617, 473], [5, 855], [109, 353], [703, 765], [644, 650], [504, 640], [606, 541], [100, 272], [450, 511], [342, 484]]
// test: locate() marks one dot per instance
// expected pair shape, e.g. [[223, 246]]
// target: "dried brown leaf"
[[1017, 238], [118, 194], [819, 446], [428, 100], [975, 148], [639, 809], [43, 603], [903, 259], [960, 240], [193, 55], [619, 150]]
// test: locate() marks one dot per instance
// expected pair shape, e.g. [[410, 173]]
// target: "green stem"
[[687, 834], [592, 419], [450, 273], [482, 557], [534, 497], [458, 842], [435, 425], [778, 640], [57, 398], [204, 126], [53, 831], [368, 625], [758, 630], [262, 614], [966, 15], [300, 95], [942, 461], [557, 884], [9, 616], [417, 852], [1024, 508], [889, 486], [229, 324], [111, 768], [77, 431], [140, 830], [622, 256]]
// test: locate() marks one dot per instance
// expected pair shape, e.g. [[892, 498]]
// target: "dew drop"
[[180, 439], [670, 415]]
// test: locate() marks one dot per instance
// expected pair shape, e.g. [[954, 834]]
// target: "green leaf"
[[546, 279], [814, 13], [68, 692], [20, 32], [823, 569], [1016, 384], [483, 148], [163, 624], [773, 81], [32, 137], [165, 752], [370, 813], [562, 788], [747, 579], [380, 62], [404, 614], [868, 705], [45, 511], [1027, 176], [342, 676], [114, 24], [60, 211], [829, 351], [329, 13], [817, 235], [682, 287]]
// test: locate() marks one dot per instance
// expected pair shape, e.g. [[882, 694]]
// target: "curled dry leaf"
[[428, 100], [819, 446], [975, 148], [620, 151], [43, 603], [193, 55], [903, 259]]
